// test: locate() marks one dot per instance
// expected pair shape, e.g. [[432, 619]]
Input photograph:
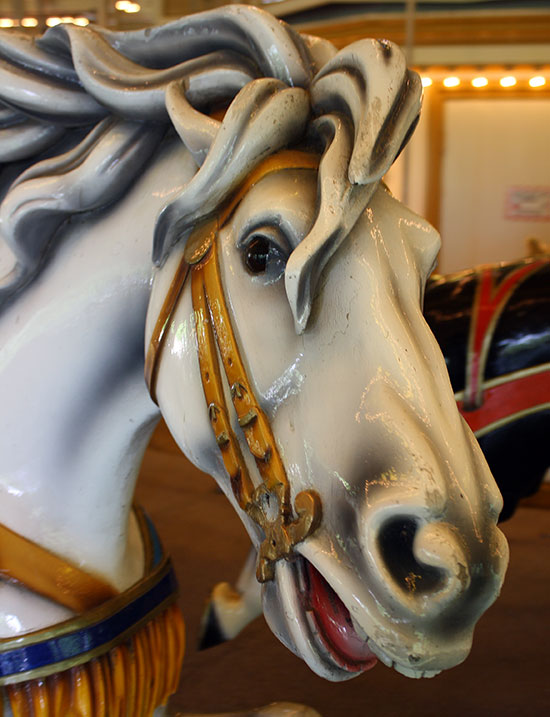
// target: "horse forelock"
[[359, 107]]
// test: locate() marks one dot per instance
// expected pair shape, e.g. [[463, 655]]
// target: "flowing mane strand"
[[127, 88], [112, 88]]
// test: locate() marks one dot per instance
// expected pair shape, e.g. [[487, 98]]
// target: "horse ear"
[[197, 131], [340, 205], [369, 82], [265, 116], [320, 50], [367, 101]]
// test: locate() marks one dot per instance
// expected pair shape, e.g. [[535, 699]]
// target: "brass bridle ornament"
[[269, 503]]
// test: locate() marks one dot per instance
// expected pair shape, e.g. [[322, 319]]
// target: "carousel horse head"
[[299, 280], [288, 283]]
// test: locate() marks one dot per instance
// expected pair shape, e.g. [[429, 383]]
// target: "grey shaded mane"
[[116, 84], [280, 89]]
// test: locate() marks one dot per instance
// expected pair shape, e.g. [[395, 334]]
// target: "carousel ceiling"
[[132, 13], [392, 6]]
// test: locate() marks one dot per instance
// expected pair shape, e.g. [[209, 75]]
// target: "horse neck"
[[76, 420], [76, 415]]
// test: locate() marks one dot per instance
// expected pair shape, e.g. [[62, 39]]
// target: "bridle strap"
[[195, 248], [158, 337], [269, 504], [272, 497]]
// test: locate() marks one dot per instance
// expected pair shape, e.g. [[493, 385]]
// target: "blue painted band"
[[97, 631]]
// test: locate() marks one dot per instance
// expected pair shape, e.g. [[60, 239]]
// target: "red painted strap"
[[508, 399], [488, 305]]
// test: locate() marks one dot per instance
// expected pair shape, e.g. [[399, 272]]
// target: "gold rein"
[[41, 571], [268, 504]]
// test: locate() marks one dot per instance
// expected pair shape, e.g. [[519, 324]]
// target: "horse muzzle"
[[412, 601]]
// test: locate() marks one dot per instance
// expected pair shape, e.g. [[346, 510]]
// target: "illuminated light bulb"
[[82, 21], [6, 22], [480, 82], [132, 7], [67, 19], [122, 5], [537, 81], [53, 21], [427, 82], [508, 81], [29, 22], [451, 82]]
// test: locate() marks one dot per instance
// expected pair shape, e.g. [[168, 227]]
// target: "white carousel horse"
[[371, 506]]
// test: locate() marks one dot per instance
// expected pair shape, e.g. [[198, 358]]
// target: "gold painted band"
[[92, 617], [44, 573]]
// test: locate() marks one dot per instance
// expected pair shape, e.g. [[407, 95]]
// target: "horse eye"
[[256, 255], [264, 254]]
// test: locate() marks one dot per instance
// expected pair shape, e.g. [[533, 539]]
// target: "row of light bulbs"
[[50, 21], [451, 81], [121, 5], [7, 22], [127, 6]]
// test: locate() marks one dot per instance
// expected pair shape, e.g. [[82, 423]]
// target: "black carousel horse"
[[493, 326]]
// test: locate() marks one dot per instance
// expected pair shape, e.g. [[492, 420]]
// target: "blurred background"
[[477, 166]]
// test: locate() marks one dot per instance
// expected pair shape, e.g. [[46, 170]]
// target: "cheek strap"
[[268, 504]]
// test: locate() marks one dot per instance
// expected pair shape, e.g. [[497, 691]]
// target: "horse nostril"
[[396, 544]]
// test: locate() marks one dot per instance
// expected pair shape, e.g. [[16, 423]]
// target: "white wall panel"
[[490, 147]]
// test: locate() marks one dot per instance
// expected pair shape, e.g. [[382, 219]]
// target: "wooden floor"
[[508, 672]]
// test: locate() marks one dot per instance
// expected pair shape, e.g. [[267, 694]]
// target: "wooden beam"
[[458, 28], [479, 29]]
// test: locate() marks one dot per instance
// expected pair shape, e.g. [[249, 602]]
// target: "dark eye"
[[264, 253], [257, 254]]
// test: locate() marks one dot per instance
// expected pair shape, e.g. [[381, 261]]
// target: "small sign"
[[528, 203]]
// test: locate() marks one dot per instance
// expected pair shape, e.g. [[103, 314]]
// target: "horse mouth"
[[332, 630]]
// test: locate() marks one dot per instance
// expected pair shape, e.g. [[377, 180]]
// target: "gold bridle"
[[216, 340]]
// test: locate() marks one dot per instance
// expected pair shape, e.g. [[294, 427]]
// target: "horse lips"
[[334, 625]]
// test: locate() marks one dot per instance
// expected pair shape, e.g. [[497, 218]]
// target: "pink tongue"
[[335, 626]]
